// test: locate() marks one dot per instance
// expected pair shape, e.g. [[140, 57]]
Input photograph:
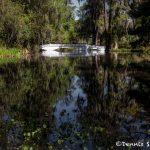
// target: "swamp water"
[[75, 103]]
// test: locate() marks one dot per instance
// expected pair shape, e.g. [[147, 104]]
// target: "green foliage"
[[108, 22], [91, 21], [30, 23], [142, 17]]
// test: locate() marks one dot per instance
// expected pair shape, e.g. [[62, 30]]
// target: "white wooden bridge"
[[52, 50]]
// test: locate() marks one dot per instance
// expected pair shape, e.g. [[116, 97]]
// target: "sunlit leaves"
[[30, 23]]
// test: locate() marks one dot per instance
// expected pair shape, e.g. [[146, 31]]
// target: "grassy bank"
[[9, 52], [131, 50]]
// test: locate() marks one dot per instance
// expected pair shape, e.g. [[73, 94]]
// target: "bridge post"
[[86, 48]]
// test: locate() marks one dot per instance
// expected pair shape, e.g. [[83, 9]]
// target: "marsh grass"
[[126, 50], [140, 49], [9, 60], [9, 52]]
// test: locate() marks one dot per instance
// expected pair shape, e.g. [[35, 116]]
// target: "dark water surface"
[[75, 104]]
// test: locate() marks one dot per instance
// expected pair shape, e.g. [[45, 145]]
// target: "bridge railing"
[[75, 46], [66, 45]]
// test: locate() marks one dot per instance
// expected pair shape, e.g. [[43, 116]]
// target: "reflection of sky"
[[68, 108], [67, 111]]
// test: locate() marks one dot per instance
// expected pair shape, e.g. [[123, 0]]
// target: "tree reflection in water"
[[27, 94], [81, 103], [112, 113]]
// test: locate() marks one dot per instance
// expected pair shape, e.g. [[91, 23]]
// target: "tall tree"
[[107, 21], [141, 14], [29, 23], [90, 15]]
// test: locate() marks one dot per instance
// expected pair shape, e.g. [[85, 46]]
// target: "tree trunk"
[[109, 33], [105, 15], [95, 36], [105, 22], [2, 4], [116, 45]]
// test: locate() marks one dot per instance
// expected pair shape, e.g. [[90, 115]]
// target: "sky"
[[75, 2]]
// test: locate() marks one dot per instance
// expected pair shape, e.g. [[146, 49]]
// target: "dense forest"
[[116, 23], [113, 23], [29, 23]]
